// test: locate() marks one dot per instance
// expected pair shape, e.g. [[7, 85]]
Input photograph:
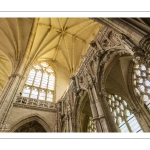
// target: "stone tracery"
[[141, 83], [89, 80], [40, 83]]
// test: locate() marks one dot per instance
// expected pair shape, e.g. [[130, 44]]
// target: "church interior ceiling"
[[61, 41]]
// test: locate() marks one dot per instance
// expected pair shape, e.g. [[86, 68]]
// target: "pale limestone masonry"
[[101, 69]]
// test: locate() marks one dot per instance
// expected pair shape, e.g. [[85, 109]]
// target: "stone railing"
[[34, 103]]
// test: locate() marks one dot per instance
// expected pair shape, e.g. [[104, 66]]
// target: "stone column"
[[67, 124], [100, 113], [8, 96], [58, 120], [94, 110], [10, 91], [70, 123]]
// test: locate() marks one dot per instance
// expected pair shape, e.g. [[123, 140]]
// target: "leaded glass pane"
[[142, 81], [44, 81], [34, 93], [37, 79], [42, 95], [37, 67], [138, 72], [44, 64], [49, 96], [51, 82], [26, 92], [123, 117], [31, 77], [147, 82]]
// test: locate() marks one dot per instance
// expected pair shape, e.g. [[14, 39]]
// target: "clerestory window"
[[40, 83], [124, 119], [141, 83]]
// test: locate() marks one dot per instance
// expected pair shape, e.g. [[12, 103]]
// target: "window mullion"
[[47, 81], [47, 90], [40, 84], [31, 86], [128, 125], [34, 78]]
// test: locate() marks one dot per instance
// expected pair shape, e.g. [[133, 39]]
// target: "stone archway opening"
[[86, 118], [32, 126]]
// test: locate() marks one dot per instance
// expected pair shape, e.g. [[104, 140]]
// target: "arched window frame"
[[141, 83], [122, 114], [40, 82]]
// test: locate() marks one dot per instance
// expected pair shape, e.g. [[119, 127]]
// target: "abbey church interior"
[[75, 75]]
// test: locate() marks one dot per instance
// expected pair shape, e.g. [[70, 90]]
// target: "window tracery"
[[121, 112], [40, 83], [91, 125], [141, 83]]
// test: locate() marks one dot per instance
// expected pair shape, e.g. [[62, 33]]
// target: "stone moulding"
[[34, 104]]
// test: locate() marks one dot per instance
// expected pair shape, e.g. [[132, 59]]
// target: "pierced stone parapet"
[[34, 104]]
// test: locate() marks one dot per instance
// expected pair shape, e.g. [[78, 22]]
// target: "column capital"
[[15, 75]]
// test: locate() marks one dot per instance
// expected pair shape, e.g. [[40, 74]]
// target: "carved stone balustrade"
[[34, 104]]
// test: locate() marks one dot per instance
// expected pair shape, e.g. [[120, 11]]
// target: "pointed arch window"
[[124, 119], [141, 83], [40, 83]]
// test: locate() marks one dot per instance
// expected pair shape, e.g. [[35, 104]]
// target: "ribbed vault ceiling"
[[14, 36], [62, 41], [5, 69]]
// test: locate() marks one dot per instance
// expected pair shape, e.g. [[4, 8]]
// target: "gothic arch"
[[78, 109], [136, 100], [30, 118], [113, 60]]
